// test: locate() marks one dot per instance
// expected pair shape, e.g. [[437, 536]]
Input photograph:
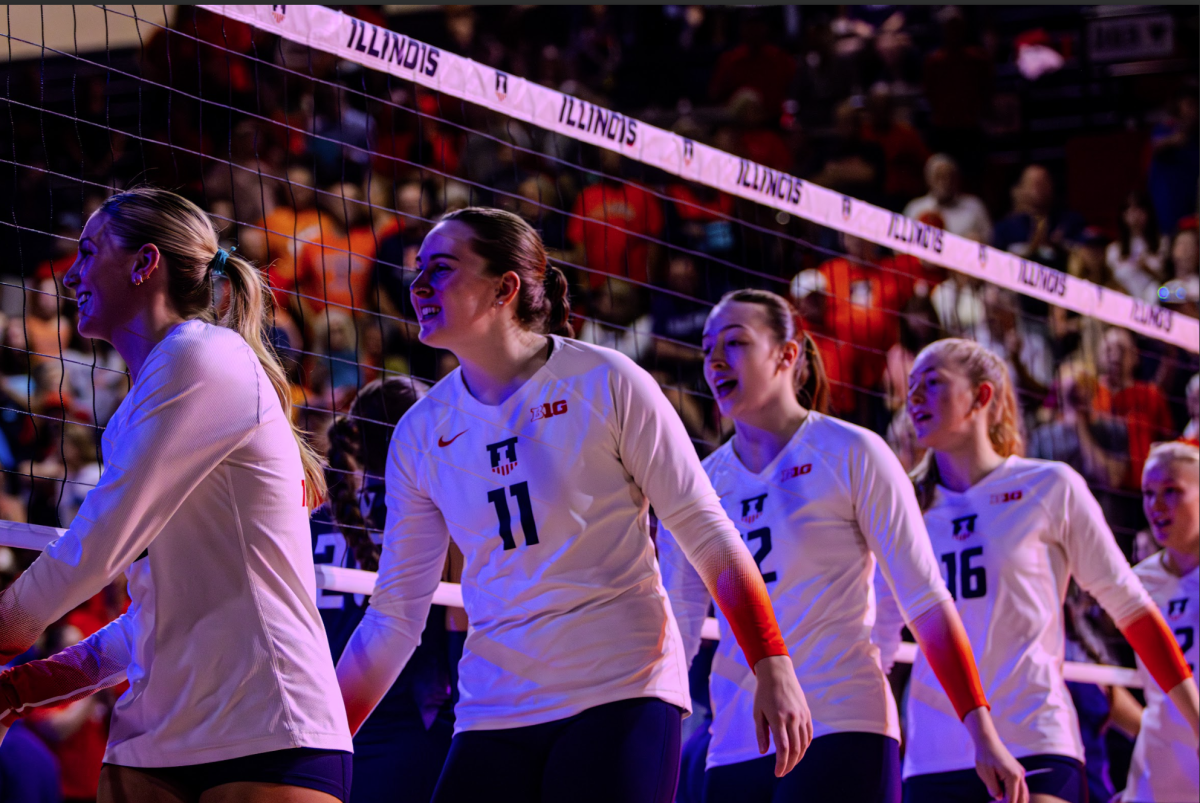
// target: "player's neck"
[[763, 434], [962, 468], [135, 340], [495, 368], [1180, 563]]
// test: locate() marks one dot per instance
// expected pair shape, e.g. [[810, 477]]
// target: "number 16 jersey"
[[547, 495], [1008, 547]]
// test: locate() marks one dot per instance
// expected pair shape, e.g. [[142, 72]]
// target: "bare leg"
[[131, 785], [247, 792]]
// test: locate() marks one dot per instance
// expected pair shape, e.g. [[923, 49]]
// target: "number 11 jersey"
[[547, 495]]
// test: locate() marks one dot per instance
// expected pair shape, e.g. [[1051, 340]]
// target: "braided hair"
[[358, 447]]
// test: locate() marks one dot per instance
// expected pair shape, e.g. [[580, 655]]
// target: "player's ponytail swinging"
[[185, 237], [507, 243], [812, 383], [1004, 421]]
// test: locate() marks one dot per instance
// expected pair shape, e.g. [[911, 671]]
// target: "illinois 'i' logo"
[[501, 85], [1176, 607], [846, 207], [504, 456], [752, 508], [279, 12], [964, 527], [689, 151]]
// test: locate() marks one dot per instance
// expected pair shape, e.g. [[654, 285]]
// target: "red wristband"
[[1155, 644]]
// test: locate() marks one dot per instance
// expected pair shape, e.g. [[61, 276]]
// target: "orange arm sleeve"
[[1155, 644], [944, 643]]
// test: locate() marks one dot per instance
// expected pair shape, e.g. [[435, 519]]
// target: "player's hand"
[[780, 708], [1002, 774]]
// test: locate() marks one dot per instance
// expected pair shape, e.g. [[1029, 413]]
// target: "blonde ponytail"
[[185, 237]]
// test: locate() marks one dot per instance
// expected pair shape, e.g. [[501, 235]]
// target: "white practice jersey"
[[1008, 547], [816, 519], [1165, 768], [201, 504], [547, 495]]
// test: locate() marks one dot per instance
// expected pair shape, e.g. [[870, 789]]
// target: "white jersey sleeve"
[[1097, 563], [410, 566], [889, 517], [150, 471]]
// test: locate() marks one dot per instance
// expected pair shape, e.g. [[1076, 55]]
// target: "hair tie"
[[217, 264]]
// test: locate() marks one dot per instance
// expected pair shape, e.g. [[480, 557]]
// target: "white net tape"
[[354, 581], [394, 53]]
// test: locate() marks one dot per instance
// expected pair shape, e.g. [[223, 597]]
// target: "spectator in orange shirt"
[[294, 222], [337, 268], [610, 224], [1142, 405]]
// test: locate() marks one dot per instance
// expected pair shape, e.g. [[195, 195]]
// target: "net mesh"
[[328, 174]]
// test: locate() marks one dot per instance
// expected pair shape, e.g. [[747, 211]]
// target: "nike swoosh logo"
[[445, 443]]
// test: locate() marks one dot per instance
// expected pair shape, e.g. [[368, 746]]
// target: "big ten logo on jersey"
[[964, 527], [548, 410], [795, 471], [752, 508], [1007, 496], [503, 456]]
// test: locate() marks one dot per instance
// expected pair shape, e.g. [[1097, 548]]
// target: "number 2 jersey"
[[1008, 547], [1164, 768], [816, 518], [547, 495]]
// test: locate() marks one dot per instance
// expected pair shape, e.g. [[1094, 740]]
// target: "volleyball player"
[[399, 751], [1009, 533], [820, 500], [203, 504], [540, 457], [1164, 768]]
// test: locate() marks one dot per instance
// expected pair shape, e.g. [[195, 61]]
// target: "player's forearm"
[[1155, 644], [374, 657], [72, 674], [943, 641], [1187, 700]]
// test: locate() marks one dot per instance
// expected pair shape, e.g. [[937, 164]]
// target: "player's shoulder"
[[840, 440], [1152, 572], [1047, 474], [197, 350], [577, 362], [719, 459]]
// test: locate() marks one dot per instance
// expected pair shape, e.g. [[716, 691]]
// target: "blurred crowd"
[[329, 176]]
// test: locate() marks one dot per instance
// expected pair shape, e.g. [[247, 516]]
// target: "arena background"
[[667, 154]]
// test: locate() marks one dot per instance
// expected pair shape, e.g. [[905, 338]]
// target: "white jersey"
[[1008, 547], [816, 518], [1164, 768], [547, 495], [201, 504]]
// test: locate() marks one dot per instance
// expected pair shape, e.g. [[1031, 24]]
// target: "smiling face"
[[454, 295], [941, 403], [1171, 501], [744, 363], [102, 278]]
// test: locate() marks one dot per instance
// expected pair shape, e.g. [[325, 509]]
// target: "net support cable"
[[394, 53], [356, 581]]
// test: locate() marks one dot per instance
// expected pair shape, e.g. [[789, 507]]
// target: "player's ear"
[[508, 289], [984, 394]]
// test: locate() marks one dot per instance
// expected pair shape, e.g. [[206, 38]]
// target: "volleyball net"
[[325, 146]]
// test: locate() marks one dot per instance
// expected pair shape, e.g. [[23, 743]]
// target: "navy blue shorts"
[[837, 768], [1061, 776], [626, 751], [400, 763], [327, 771]]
